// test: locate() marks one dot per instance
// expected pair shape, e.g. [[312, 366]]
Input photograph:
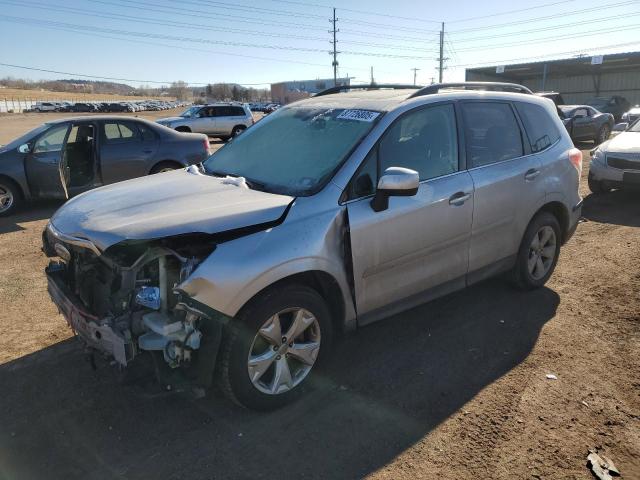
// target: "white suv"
[[222, 120]]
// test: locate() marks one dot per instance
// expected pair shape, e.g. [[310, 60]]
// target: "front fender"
[[240, 269]]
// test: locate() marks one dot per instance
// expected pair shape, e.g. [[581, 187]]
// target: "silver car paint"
[[625, 145], [165, 204], [311, 237]]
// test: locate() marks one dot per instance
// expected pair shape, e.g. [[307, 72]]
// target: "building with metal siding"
[[577, 79], [287, 92]]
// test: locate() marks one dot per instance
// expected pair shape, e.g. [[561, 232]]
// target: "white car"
[[222, 120], [616, 163], [45, 107]]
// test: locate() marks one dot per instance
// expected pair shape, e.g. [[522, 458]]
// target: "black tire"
[[522, 277], [603, 134], [239, 337], [237, 130], [10, 205], [165, 167], [183, 129], [596, 186]]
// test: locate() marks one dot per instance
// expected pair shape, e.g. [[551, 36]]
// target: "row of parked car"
[[264, 107], [121, 106]]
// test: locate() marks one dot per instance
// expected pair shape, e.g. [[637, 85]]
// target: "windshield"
[[190, 112], [634, 127], [295, 150]]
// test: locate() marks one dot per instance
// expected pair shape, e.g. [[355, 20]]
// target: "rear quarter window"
[[540, 127]]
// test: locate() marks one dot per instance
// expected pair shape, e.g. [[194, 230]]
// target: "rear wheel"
[[237, 130], [603, 134], [273, 347], [166, 166], [183, 129], [10, 197], [538, 252]]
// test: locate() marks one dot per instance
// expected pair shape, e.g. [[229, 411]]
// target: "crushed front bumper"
[[96, 333]]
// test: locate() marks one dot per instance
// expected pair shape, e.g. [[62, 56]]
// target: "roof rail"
[[491, 86], [375, 86]]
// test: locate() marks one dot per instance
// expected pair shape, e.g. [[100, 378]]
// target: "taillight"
[[205, 142], [575, 157]]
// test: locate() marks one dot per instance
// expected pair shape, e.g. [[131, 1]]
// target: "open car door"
[[47, 171]]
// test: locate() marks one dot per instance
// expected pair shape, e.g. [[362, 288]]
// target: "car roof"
[[389, 99], [99, 118]]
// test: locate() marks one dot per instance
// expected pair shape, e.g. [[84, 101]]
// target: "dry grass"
[[19, 94]]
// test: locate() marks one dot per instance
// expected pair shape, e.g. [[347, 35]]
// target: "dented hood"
[[165, 204]]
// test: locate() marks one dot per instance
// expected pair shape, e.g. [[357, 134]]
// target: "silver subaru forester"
[[334, 212]]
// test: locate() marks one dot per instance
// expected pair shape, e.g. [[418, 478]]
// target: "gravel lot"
[[455, 389]]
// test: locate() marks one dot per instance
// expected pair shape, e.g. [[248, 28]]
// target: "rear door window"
[[540, 128], [492, 133], [116, 132]]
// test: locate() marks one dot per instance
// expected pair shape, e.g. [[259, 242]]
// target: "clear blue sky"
[[198, 41]]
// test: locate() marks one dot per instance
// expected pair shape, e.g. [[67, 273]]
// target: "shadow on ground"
[[619, 207], [385, 388], [29, 213]]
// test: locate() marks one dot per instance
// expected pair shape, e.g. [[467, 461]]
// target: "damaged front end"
[[123, 302]]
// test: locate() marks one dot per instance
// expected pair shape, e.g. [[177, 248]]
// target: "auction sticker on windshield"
[[360, 115]]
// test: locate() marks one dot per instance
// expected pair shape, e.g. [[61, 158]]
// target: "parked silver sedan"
[[329, 214], [63, 158], [616, 163]]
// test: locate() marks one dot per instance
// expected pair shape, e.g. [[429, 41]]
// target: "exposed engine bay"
[[124, 302]]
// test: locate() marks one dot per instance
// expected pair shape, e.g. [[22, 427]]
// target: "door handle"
[[147, 151], [459, 198], [531, 174]]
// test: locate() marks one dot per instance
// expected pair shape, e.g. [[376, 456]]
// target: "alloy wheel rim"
[[6, 198], [604, 134], [284, 351], [542, 252]]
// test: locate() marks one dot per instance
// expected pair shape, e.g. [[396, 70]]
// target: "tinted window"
[[119, 132], [52, 140], [236, 111], [541, 130], [492, 133], [365, 180], [424, 140]]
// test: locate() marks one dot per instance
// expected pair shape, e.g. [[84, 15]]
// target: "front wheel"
[[237, 131], [10, 198], [538, 252], [273, 347]]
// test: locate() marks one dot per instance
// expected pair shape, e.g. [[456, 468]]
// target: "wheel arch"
[[560, 211], [183, 128], [322, 282], [178, 164], [14, 182]]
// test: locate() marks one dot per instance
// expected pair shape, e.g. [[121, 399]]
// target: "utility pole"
[[372, 81], [441, 59], [415, 71], [335, 52]]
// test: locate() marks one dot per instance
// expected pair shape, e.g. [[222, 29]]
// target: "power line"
[[366, 12], [551, 39], [545, 29], [547, 17], [548, 56], [509, 12], [191, 26], [48, 23]]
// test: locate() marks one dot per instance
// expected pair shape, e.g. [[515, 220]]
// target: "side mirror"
[[620, 127], [24, 148], [395, 182]]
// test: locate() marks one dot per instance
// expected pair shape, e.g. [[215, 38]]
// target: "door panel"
[[206, 123], [124, 152], [46, 171], [420, 242], [507, 183]]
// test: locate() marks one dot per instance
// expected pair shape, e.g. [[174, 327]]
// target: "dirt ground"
[[455, 389]]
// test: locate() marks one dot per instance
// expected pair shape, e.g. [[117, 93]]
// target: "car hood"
[[165, 204], [625, 142], [170, 119]]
